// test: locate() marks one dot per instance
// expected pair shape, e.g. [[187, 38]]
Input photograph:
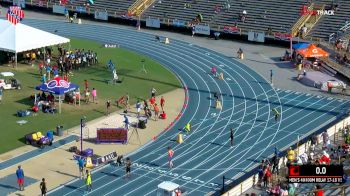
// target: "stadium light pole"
[[82, 124]]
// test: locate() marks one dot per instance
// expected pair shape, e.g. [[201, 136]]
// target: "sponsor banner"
[[179, 23], [202, 29], [283, 36], [19, 3], [256, 37], [58, 9], [106, 158], [153, 23], [231, 29], [80, 9], [101, 15]]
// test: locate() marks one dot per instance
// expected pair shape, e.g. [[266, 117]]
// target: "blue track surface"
[[205, 156]]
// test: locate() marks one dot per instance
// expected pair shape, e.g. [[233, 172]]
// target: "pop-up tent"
[[19, 38], [312, 51], [57, 86]]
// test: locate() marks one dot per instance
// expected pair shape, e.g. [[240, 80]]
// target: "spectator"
[[163, 115], [318, 191], [260, 175], [94, 95], [20, 178], [162, 102], [313, 141], [153, 92], [291, 189], [81, 164], [345, 59], [138, 107], [1, 94], [326, 141], [291, 155], [156, 111], [43, 187], [275, 166], [108, 106]]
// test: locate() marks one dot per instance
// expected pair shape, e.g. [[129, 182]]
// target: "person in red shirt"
[[162, 102], [163, 115], [318, 191], [170, 157], [152, 100]]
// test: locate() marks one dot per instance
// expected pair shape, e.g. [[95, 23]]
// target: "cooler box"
[[49, 134]]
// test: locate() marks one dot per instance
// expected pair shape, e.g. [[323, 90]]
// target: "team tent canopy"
[[312, 51], [20, 37], [57, 86]]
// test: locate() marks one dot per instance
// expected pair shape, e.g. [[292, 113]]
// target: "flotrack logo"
[[306, 11]]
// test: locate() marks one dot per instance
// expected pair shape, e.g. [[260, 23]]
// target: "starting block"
[[179, 139], [79, 21], [167, 41], [221, 76], [218, 105]]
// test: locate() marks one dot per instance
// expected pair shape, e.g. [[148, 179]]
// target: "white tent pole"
[[16, 59], [59, 104]]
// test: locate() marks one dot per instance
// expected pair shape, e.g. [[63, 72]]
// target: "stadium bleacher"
[[261, 15], [331, 24], [183, 10]]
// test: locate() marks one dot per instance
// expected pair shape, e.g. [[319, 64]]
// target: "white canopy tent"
[[19, 38]]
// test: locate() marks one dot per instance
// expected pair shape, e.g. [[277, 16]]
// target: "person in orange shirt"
[[156, 111], [170, 157]]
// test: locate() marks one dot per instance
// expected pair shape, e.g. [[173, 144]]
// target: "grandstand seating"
[[280, 17], [280, 20], [115, 8], [175, 9], [331, 24], [262, 14]]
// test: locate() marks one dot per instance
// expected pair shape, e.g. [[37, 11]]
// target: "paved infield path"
[[205, 156]]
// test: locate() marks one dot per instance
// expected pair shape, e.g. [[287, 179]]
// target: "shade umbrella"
[[312, 51], [300, 46], [57, 86]]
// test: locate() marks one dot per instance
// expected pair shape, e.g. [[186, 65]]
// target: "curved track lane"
[[205, 156]]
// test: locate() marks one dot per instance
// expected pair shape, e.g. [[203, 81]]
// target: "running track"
[[205, 156]]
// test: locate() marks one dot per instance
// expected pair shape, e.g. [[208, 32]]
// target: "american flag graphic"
[[15, 14]]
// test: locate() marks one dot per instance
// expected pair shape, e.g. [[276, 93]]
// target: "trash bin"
[[59, 130]]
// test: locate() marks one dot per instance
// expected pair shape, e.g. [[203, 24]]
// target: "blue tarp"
[[300, 46]]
